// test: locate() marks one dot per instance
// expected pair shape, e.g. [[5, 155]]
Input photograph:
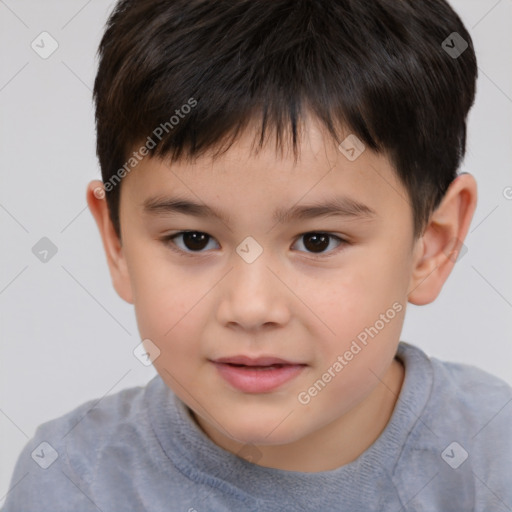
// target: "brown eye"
[[318, 242], [195, 241], [192, 241], [315, 243]]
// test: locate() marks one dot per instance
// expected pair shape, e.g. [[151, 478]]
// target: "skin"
[[287, 303]]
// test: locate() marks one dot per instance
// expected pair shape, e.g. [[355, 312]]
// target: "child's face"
[[225, 300]]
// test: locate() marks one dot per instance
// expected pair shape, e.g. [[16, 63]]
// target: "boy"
[[270, 282]]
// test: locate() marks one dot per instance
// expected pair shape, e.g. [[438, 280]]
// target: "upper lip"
[[254, 361]]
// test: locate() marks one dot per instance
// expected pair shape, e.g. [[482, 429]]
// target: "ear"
[[438, 248], [111, 242]]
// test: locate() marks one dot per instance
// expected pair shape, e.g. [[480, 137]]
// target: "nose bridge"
[[252, 295]]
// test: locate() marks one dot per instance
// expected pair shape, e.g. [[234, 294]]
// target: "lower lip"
[[252, 380]]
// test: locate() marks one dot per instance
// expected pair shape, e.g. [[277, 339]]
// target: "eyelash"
[[169, 242]]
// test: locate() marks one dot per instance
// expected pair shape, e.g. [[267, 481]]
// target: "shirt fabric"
[[447, 447]]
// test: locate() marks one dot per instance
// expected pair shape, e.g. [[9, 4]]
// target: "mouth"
[[262, 361], [257, 375]]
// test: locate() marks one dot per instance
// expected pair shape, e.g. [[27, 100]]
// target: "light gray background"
[[66, 335]]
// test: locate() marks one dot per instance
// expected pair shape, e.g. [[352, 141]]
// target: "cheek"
[[167, 302], [364, 303], [383, 271], [170, 320], [352, 298]]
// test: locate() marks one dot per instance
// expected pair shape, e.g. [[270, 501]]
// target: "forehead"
[[323, 177]]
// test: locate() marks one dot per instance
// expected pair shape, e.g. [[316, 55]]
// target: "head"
[[270, 116]]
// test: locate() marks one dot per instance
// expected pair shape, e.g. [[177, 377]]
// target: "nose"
[[252, 296]]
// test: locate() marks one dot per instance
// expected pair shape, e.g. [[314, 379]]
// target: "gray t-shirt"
[[447, 447]]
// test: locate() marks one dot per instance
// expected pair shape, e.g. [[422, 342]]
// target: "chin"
[[265, 431]]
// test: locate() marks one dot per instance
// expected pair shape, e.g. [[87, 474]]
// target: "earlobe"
[[111, 243], [442, 241]]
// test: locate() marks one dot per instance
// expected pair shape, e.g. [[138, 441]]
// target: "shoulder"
[[461, 442], [85, 430], [59, 460], [461, 389]]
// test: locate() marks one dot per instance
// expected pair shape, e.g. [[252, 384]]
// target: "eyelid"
[[168, 242]]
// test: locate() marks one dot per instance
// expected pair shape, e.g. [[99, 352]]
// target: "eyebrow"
[[339, 206]]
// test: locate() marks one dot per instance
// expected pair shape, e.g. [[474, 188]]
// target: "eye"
[[196, 241], [192, 241], [317, 242]]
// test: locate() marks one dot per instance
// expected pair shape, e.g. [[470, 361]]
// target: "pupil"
[[319, 242], [195, 240]]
